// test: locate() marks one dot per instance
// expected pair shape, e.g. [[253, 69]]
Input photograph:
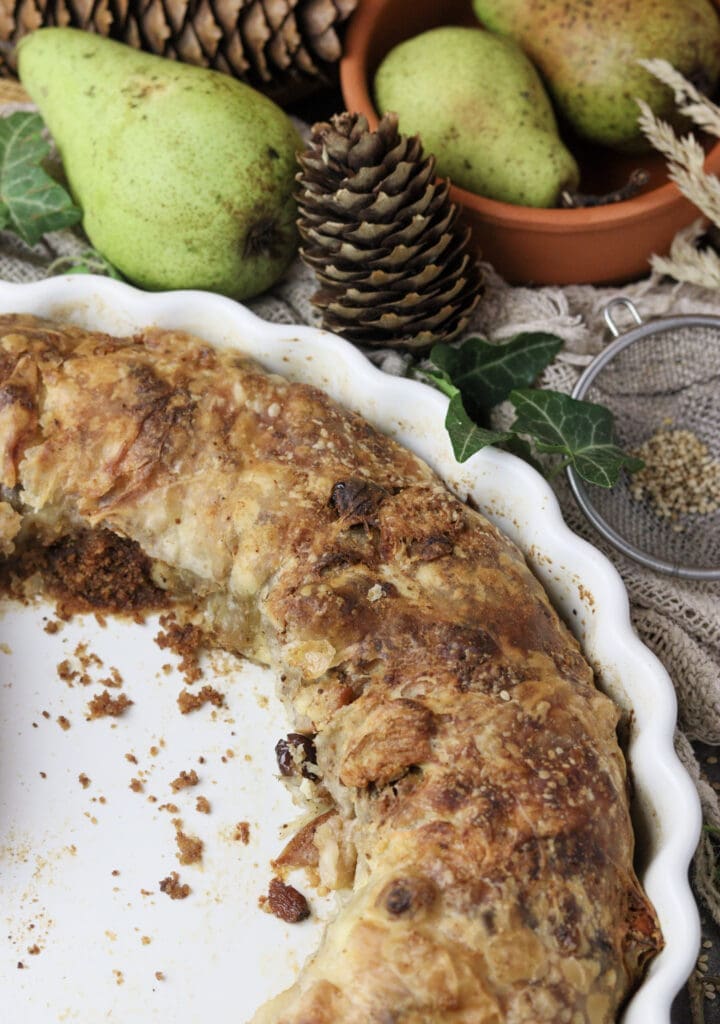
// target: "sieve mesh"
[[663, 376]]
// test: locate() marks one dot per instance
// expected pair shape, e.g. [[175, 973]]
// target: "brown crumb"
[[172, 808], [114, 680], [43, 775], [159, 975], [63, 722], [145, 939], [20, 965], [285, 902], [66, 672], [119, 977], [202, 804], [242, 832], [52, 626], [188, 701], [83, 780], [185, 641], [190, 848], [46, 714], [103, 705], [185, 780], [136, 785], [34, 950], [131, 758], [174, 888]]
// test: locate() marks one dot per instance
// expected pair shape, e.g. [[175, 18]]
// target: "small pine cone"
[[395, 267], [285, 48]]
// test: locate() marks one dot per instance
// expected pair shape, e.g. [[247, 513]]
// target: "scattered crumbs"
[[248, 757], [63, 722], [46, 714], [131, 758], [34, 950], [66, 672], [242, 832], [52, 626], [152, 799], [186, 641], [43, 775], [190, 848], [185, 780], [6, 649], [154, 751], [285, 902], [111, 935], [115, 872], [119, 977], [146, 940], [148, 892], [114, 680], [202, 804], [159, 976], [188, 701], [91, 818], [172, 808], [20, 965], [262, 700], [167, 668], [136, 785], [173, 888], [103, 705], [83, 780], [201, 760]]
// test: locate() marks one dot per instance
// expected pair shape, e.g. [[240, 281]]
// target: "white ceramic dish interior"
[[103, 936]]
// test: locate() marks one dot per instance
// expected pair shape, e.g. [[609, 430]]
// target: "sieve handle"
[[615, 304]]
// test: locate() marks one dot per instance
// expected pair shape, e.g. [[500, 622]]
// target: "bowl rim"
[[357, 97]]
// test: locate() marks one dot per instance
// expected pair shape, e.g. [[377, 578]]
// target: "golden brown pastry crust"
[[474, 763]]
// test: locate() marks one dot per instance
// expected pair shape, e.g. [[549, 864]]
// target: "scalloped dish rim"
[[584, 586]]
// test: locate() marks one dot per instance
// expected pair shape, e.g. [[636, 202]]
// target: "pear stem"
[[635, 183]]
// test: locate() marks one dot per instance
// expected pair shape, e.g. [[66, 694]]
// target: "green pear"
[[185, 176], [587, 54], [479, 106]]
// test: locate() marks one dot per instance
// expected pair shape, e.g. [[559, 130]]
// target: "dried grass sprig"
[[688, 263], [685, 165], [689, 101]]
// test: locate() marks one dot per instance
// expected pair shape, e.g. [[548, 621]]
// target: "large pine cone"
[[395, 266], [285, 48]]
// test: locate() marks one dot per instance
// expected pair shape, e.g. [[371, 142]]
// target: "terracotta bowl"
[[600, 245]]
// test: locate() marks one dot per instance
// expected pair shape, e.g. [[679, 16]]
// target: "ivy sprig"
[[478, 375], [32, 203]]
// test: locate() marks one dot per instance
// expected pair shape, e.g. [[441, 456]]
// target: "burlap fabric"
[[679, 621]]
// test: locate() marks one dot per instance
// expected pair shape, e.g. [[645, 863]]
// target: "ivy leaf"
[[89, 261], [467, 437], [486, 373], [581, 431], [31, 202]]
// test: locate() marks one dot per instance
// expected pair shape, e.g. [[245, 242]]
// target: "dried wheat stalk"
[[685, 159]]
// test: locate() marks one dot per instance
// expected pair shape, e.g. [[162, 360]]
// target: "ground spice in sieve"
[[679, 478]]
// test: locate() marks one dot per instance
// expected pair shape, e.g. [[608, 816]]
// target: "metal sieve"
[[661, 381]]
